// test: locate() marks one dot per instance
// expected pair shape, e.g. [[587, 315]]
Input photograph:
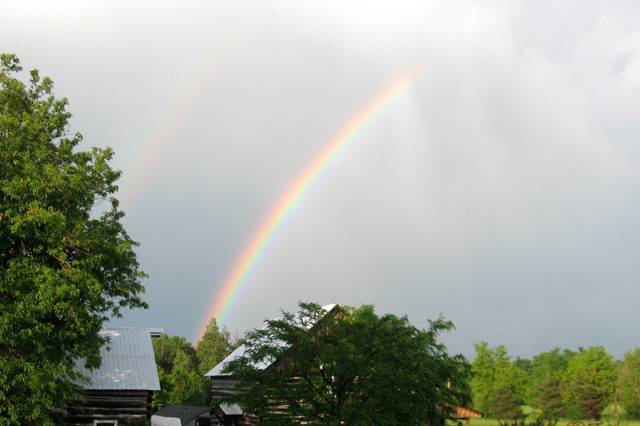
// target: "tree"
[[550, 399], [187, 385], [544, 365], [590, 382], [498, 383], [214, 346], [484, 372], [161, 398], [349, 367], [505, 404], [165, 348], [180, 381], [64, 269], [629, 383]]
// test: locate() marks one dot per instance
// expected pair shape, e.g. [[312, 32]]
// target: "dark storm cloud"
[[500, 190]]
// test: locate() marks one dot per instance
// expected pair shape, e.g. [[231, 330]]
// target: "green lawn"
[[605, 422]]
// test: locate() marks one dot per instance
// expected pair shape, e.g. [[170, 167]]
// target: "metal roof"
[[231, 409], [128, 362], [178, 415], [218, 370], [165, 421]]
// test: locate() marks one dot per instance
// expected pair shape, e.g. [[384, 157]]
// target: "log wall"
[[127, 407], [223, 386]]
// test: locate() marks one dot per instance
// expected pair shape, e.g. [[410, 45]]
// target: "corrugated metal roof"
[[128, 362], [218, 370], [184, 412], [231, 409], [165, 421]]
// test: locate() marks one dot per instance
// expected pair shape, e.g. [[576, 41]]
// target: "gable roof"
[[178, 415], [465, 413], [128, 362], [218, 370]]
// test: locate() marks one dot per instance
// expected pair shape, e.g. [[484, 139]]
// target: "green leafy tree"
[[180, 380], [63, 269], [350, 367], [498, 384], [524, 364], [187, 385], [590, 382], [214, 346], [629, 383], [484, 376], [544, 365], [161, 398], [165, 348]]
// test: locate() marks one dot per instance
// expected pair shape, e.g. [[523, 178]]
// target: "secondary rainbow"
[[294, 193]]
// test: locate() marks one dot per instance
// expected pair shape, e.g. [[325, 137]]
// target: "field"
[[604, 422]]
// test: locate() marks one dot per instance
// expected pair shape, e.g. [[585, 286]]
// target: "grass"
[[605, 422]]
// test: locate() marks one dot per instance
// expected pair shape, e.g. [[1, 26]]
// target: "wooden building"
[[466, 414], [223, 384], [119, 392], [181, 415]]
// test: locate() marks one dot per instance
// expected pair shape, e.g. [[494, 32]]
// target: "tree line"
[[182, 366], [67, 265], [560, 383]]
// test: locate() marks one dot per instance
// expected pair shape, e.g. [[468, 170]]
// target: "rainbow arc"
[[287, 202]]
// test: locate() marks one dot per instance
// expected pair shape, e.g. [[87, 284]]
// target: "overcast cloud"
[[501, 189]]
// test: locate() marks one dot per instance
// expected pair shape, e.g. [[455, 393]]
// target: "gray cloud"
[[500, 190]]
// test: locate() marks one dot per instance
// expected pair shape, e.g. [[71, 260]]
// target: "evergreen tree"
[[214, 346], [550, 399], [544, 365], [187, 385], [180, 381]]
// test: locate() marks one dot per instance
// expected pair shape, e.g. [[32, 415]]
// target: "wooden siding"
[[223, 386], [127, 407]]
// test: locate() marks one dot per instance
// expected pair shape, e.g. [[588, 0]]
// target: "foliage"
[[504, 403], [161, 398], [550, 399], [524, 364], [165, 348], [349, 367], [214, 346], [187, 385], [589, 382], [180, 381], [498, 384], [483, 367], [544, 365], [629, 383], [63, 271]]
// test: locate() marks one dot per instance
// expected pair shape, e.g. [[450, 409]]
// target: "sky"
[[500, 189]]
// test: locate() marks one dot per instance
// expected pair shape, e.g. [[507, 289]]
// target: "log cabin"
[[223, 384], [119, 392]]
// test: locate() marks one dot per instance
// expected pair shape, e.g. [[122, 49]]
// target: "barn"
[[223, 384], [119, 392]]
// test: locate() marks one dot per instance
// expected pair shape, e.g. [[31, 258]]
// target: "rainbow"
[[145, 155], [245, 263]]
